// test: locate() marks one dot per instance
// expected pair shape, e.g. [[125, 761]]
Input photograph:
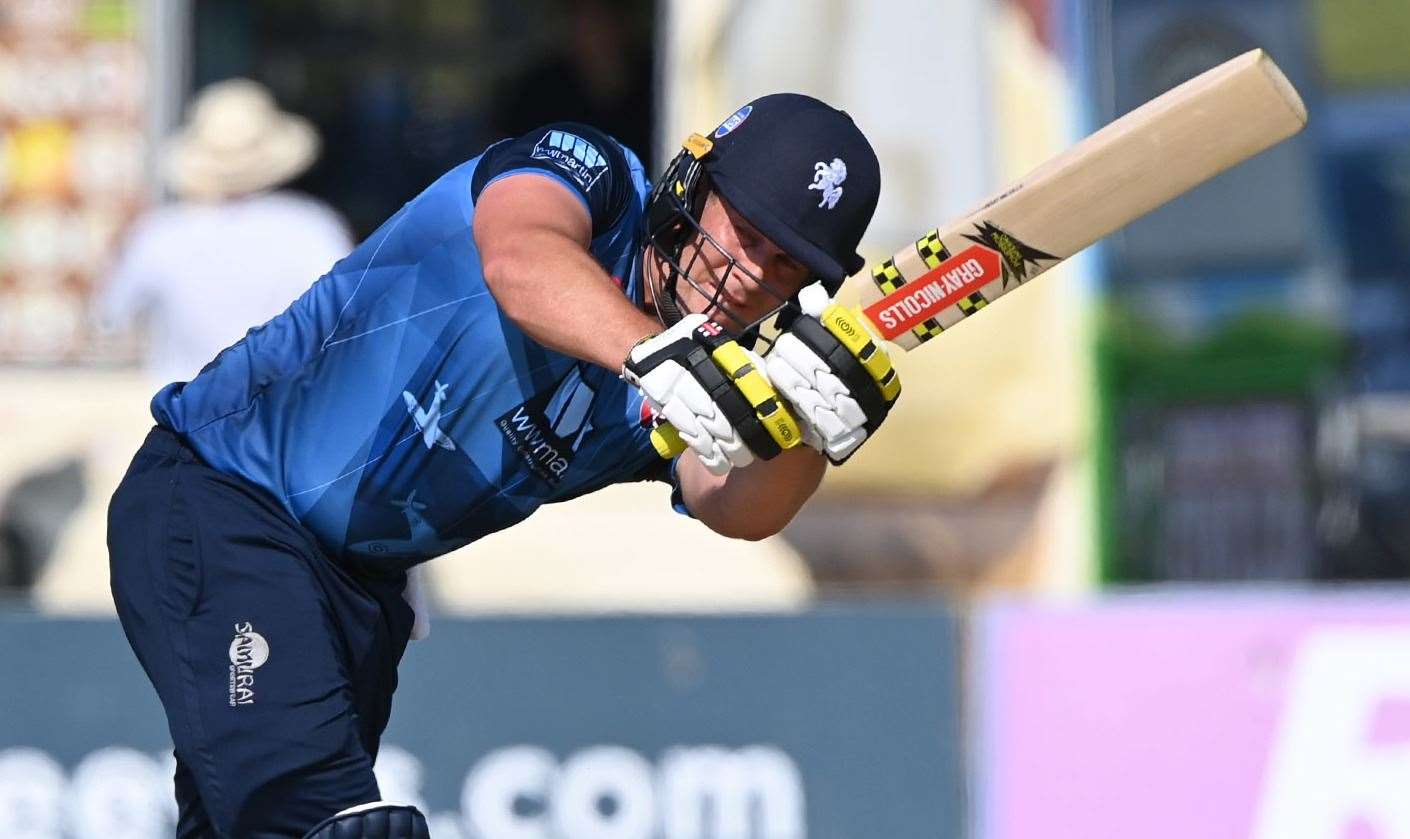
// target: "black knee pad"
[[378, 820]]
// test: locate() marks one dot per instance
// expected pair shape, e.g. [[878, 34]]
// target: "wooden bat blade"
[[1136, 163]]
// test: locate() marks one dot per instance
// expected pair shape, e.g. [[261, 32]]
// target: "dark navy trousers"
[[275, 664]]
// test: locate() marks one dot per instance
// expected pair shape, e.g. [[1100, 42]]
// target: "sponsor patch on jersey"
[[733, 121], [577, 157], [547, 429], [248, 652]]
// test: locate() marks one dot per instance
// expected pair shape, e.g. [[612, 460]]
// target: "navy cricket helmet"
[[799, 170]]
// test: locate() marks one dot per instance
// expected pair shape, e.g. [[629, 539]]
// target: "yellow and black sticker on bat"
[[888, 277]]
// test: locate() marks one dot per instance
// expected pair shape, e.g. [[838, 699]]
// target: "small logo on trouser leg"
[[247, 652]]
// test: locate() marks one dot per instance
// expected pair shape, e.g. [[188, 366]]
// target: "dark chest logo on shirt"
[[574, 155], [548, 428]]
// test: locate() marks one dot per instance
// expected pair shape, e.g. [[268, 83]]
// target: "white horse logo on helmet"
[[828, 177]]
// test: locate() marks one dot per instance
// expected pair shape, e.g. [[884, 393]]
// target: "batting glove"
[[713, 392], [838, 381]]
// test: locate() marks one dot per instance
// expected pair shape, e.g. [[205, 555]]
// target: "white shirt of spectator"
[[202, 274]]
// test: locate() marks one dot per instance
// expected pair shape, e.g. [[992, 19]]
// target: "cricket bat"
[[1157, 152]]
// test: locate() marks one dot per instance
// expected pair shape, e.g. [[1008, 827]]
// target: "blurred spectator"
[[600, 74], [230, 253]]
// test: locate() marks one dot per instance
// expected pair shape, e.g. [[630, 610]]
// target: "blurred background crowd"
[[1218, 395]]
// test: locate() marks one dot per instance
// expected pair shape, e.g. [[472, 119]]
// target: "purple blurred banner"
[[1169, 717]]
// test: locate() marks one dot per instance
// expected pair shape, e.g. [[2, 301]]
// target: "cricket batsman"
[[508, 338]]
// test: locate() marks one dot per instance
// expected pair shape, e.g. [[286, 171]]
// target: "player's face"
[[723, 288]]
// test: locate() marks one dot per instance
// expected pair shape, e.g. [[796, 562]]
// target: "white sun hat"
[[236, 141]]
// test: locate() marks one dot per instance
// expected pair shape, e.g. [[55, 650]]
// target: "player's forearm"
[[756, 501], [553, 290]]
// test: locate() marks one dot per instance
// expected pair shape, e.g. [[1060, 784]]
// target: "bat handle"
[[667, 440]]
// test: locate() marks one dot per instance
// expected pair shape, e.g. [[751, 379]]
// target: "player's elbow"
[[758, 534], [502, 274], [750, 526], [755, 502]]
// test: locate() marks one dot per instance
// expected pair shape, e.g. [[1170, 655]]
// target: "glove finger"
[[717, 463], [786, 366], [806, 401], [785, 376], [829, 425], [830, 386], [719, 428], [794, 370], [739, 454], [849, 411], [658, 383], [840, 448], [814, 299], [805, 404], [792, 351], [713, 422], [693, 396], [687, 424]]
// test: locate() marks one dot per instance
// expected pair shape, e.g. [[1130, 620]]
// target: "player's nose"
[[757, 259]]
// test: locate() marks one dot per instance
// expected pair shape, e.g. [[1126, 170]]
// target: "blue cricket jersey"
[[395, 410]]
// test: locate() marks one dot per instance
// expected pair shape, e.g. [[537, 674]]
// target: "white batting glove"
[[714, 393], [837, 379]]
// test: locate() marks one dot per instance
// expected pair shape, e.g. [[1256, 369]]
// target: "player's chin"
[[739, 312], [734, 318], [733, 314]]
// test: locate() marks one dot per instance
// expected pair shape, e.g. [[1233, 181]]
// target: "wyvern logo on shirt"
[[547, 429], [574, 155]]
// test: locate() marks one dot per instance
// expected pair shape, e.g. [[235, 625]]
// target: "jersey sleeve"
[[587, 161]]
